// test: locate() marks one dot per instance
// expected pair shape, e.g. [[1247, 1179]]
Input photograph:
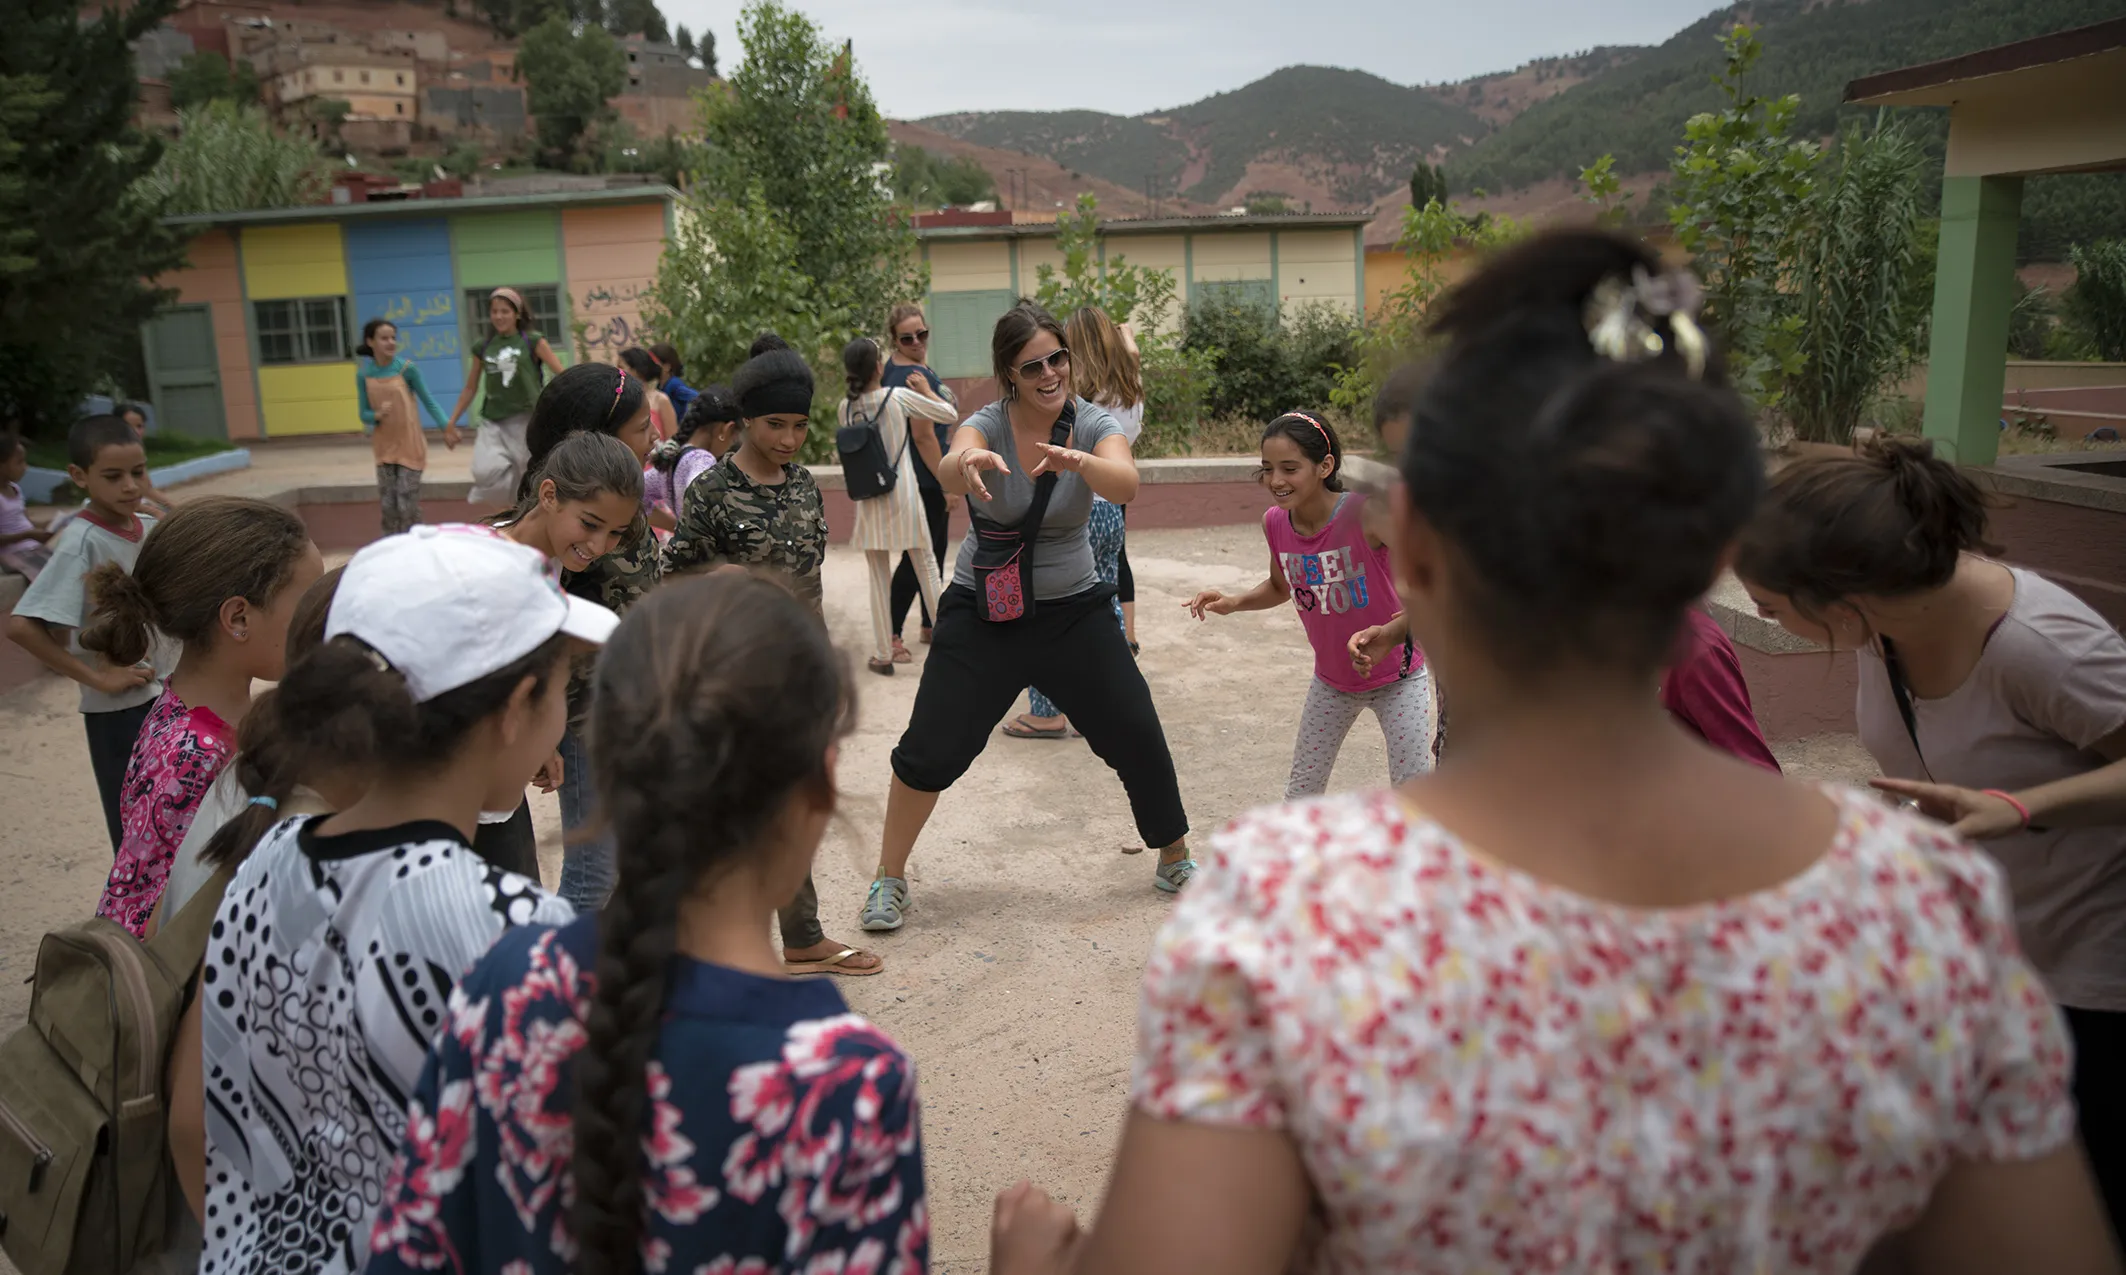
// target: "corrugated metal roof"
[[423, 207], [1156, 225]]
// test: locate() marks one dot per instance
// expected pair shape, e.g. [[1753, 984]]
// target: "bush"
[[2096, 304], [1176, 383], [1262, 366]]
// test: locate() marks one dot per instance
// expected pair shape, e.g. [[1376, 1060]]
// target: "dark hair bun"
[[1591, 499]]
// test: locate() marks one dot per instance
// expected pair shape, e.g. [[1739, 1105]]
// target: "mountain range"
[[1326, 138]]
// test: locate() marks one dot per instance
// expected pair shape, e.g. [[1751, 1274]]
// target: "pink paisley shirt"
[[1484, 1072], [175, 760]]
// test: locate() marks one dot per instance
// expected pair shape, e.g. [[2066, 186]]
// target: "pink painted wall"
[[610, 255], [210, 278]]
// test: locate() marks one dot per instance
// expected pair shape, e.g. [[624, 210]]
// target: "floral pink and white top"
[[1484, 1072], [179, 752]]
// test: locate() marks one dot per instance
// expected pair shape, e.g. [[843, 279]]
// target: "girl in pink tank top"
[[1326, 560]]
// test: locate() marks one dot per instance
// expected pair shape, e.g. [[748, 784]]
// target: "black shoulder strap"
[[907, 423], [1030, 526], [1902, 694]]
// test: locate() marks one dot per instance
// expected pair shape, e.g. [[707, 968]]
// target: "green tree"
[[228, 158], [791, 174], [1427, 183], [1601, 187], [2096, 304], [684, 42], [570, 79], [1849, 281], [78, 249], [1431, 235], [924, 180], [1267, 203], [205, 76], [1116, 286], [636, 17], [1739, 184]]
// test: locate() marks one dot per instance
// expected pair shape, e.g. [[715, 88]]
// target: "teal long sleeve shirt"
[[399, 366]]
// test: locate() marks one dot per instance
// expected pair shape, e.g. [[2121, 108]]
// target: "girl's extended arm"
[[546, 356], [924, 439], [952, 472], [419, 387], [472, 387], [1272, 592], [1108, 468]]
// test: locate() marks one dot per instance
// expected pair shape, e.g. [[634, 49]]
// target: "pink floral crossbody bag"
[[1003, 556]]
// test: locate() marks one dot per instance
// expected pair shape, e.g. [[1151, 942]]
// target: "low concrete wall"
[[2032, 374]]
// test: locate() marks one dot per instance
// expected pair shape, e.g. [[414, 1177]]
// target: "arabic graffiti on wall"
[[405, 309], [611, 317]]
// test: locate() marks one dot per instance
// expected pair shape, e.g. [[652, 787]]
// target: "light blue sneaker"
[[1172, 876], [885, 904]]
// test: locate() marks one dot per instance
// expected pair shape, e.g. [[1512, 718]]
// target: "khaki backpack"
[[86, 1183]]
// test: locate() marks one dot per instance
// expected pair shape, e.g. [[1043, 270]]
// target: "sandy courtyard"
[[1014, 984]]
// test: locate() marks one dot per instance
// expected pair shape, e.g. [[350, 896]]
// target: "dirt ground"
[[1014, 984]]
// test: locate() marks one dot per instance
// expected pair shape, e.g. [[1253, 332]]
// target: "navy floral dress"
[[783, 1132]]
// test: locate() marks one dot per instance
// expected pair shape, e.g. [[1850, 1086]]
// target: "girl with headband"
[[1328, 558], [505, 372]]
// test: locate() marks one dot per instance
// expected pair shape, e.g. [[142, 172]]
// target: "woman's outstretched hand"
[[1059, 459], [1967, 811], [976, 459], [1030, 1233]]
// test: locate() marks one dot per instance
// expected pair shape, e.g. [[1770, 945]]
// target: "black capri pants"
[[1074, 650]]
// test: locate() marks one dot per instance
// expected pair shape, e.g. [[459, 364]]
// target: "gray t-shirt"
[[1063, 557], [2049, 685], [59, 597]]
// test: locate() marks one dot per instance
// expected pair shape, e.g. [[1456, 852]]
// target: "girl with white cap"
[[339, 939]]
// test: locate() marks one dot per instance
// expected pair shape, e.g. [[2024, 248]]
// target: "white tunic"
[[895, 521]]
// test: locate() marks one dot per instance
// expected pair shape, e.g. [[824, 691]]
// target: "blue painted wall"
[[401, 271]]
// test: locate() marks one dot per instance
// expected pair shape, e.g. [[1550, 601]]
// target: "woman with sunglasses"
[[908, 367], [1067, 639]]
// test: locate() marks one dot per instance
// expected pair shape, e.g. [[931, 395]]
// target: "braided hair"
[[716, 702]]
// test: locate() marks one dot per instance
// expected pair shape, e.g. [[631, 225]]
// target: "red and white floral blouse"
[[1484, 1072]]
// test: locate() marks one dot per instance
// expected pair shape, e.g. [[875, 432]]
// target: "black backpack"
[[865, 470]]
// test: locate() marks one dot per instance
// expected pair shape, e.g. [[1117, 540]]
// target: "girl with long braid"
[[645, 1089]]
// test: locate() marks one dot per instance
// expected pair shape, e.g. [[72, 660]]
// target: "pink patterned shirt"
[[175, 760], [1483, 1071]]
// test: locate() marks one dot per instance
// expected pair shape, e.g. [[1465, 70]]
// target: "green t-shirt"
[[511, 378]]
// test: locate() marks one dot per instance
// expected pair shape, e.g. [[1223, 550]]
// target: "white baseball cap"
[[449, 605]]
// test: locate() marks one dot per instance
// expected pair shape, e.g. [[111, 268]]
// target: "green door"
[[184, 377]]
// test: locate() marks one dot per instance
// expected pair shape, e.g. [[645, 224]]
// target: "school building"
[[260, 341], [984, 263]]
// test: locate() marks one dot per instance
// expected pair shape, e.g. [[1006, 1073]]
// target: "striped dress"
[[895, 521]]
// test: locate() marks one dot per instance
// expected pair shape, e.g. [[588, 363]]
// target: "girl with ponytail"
[[1462, 1017], [1992, 697], [221, 576], [650, 1091]]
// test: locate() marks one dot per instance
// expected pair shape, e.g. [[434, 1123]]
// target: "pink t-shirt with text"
[[1340, 584]]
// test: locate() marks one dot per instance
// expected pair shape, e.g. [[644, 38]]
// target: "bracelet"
[[2011, 799]]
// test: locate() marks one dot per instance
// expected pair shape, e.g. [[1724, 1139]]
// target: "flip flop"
[[883, 668], [833, 965], [1018, 728], [901, 654]]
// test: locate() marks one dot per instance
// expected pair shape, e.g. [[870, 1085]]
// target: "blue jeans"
[[1104, 529], [588, 870]]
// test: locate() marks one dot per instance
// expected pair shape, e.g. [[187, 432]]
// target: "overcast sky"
[[928, 57]]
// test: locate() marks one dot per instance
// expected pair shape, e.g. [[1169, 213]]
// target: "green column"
[[1974, 286]]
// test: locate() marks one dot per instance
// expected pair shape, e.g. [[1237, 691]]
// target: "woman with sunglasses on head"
[[908, 367], [1026, 604]]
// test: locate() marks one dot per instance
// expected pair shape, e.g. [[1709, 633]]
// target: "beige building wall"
[[1221, 258], [1317, 267], [970, 267], [1033, 254], [1157, 252], [2078, 121]]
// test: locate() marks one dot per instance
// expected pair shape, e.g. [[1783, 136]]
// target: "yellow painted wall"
[[1317, 266], [1033, 254], [1156, 252], [1224, 257], [970, 267], [308, 398], [294, 261]]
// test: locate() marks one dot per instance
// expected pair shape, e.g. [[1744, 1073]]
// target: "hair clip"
[[376, 657], [1617, 329], [619, 388], [268, 802]]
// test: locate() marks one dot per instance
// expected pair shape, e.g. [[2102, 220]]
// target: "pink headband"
[[619, 388], [510, 295], [1319, 428]]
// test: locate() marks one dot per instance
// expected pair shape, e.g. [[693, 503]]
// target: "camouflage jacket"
[[727, 517]]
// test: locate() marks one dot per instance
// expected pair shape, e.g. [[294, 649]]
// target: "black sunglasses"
[[914, 338], [1032, 367]]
